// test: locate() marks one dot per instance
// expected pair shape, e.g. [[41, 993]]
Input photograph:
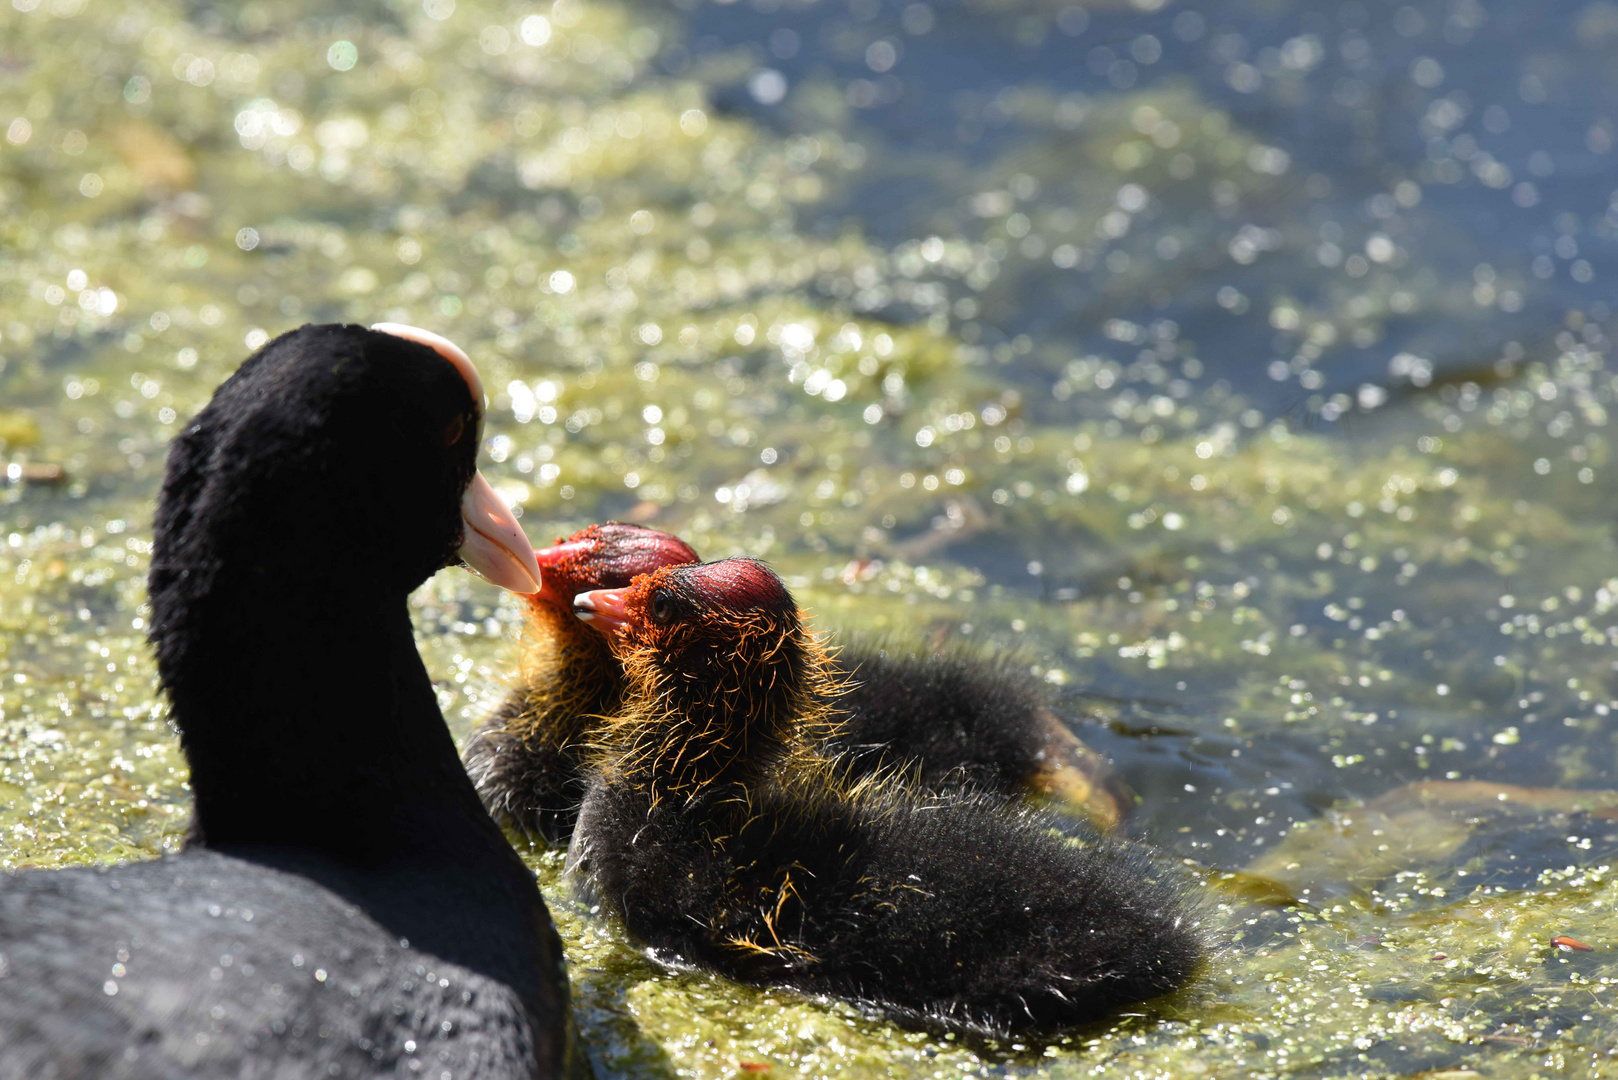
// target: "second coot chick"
[[948, 718], [528, 758], [724, 839], [344, 905], [961, 715]]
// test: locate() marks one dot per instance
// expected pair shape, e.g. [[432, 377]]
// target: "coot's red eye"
[[454, 430]]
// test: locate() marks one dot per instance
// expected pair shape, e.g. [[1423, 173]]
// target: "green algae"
[[1271, 625]]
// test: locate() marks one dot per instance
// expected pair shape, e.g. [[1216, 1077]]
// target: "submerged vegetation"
[[1243, 370]]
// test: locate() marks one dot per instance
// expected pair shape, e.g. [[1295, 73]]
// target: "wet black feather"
[[953, 715]]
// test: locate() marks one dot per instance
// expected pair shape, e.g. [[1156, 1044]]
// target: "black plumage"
[[950, 717], [344, 905], [966, 715], [721, 835]]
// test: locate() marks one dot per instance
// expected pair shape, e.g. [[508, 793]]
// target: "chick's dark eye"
[[662, 607], [454, 430]]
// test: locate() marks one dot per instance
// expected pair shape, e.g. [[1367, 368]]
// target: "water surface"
[[1242, 366]]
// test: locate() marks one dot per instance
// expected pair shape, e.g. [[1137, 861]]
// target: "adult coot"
[[950, 717], [723, 838], [344, 905]]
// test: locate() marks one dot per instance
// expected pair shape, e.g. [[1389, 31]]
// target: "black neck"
[[317, 729], [317, 747], [715, 719]]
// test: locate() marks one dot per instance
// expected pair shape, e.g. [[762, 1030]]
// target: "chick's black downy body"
[[959, 911], [723, 838], [966, 716], [344, 906]]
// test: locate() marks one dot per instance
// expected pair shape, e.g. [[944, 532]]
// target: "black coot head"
[[334, 451], [337, 463], [331, 474]]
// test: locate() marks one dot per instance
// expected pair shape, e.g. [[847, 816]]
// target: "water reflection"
[[1422, 180]]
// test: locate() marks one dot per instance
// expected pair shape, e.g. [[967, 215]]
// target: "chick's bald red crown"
[[739, 585], [606, 556]]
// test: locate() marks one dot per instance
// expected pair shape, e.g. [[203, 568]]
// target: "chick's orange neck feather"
[[570, 674], [699, 712]]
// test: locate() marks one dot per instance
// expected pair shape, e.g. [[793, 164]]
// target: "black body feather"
[[962, 714], [946, 717], [528, 757]]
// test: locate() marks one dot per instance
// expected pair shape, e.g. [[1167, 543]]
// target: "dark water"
[[1243, 367], [1476, 139]]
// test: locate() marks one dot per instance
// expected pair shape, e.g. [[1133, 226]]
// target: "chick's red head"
[[607, 556], [717, 604], [723, 641]]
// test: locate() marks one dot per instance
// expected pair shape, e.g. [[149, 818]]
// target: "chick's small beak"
[[493, 544], [604, 609], [553, 556]]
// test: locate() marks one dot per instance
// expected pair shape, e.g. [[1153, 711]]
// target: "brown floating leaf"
[[33, 472]]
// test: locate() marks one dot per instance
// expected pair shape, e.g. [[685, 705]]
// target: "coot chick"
[[962, 715], [724, 839], [344, 905], [527, 758], [949, 717]]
